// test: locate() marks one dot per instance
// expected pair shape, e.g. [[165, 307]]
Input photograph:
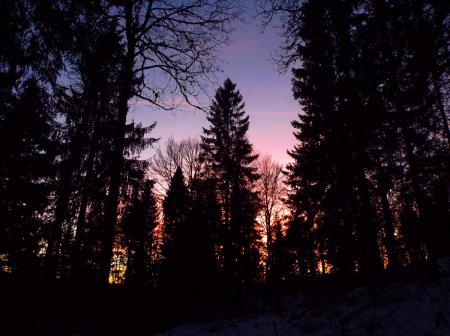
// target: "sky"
[[248, 62]]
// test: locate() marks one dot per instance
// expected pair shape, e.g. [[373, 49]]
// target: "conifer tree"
[[30, 58], [372, 133], [139, 221], [228, 154], [168, 48], [27, 155], [176, 207], [88, 109], [204, 221]]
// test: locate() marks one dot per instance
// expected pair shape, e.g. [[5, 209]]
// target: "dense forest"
[[365, 197]]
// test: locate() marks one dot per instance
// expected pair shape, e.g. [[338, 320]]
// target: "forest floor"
[[61, 309], [400, 308]]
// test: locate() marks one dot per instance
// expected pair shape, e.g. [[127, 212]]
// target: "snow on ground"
[[400, 309]]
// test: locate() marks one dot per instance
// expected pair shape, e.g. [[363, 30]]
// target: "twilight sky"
[[267, 95]]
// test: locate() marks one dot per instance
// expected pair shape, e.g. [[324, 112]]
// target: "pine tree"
[[139, 221], [372, 134], [322, 173], [176, 205], [412, 96], [173, 42], [204, 221], [30, 59], [27, 155], [88, 109], [228, 154]]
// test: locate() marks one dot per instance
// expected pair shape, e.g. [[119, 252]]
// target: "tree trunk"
[[268, 244], [389, 230], [81, 220], [372, 258], [50, 263], [414, 177], [343, 183], [110, 221], [437, 90], [109, 225]]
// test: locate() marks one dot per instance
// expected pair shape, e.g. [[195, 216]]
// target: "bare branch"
[[175, 45]]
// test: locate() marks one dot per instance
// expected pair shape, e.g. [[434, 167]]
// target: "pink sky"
[[267, 95]]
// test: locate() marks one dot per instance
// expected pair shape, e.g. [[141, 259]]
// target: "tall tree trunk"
[[81, 220], [389, 230], [372, 258], [344, 237], [110, 221], [112, 201], [343, 183], [437, 90], [268, 244], [149, 276], [417, 193], [50, 263]]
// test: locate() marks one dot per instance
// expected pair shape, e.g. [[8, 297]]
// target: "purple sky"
[[267, 95]]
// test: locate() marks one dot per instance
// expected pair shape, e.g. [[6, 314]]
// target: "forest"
[[207, 226]]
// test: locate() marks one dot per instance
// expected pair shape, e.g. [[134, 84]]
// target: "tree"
[[27, 153], [87, 110], [31, 53], [168, 48], [228, 155], [139, 221], [184, 154], [370, 129], [204, 222], [271, 190], [324, 155], [176, 206]]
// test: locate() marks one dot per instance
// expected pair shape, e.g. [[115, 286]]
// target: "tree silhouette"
[[27, 154], [371, 126], [272, 192], [184, 154], [89, 115], [139, 221], [228, 154], [176, 207], [27, 127], [176, 44]]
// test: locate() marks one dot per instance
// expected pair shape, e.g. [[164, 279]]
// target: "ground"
[[398, 309]]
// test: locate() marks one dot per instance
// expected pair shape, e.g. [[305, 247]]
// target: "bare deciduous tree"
[[272, 191], [183, 154], [170, 48]]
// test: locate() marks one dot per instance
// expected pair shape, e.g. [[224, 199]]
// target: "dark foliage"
[[372, 141], [228, 157], [368, 185]]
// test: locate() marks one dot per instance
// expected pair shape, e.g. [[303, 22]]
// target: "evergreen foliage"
[[229, 158], [365, 196], [369, 131]]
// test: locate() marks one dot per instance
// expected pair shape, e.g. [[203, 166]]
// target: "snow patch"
[[400, 309]]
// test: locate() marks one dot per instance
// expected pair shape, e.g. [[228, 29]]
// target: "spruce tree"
[[372, 134], [175, 253], [31, 52], [204, 221], [88, 112], [27, 155], [139, 221], [175, 45], [228, 155]]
